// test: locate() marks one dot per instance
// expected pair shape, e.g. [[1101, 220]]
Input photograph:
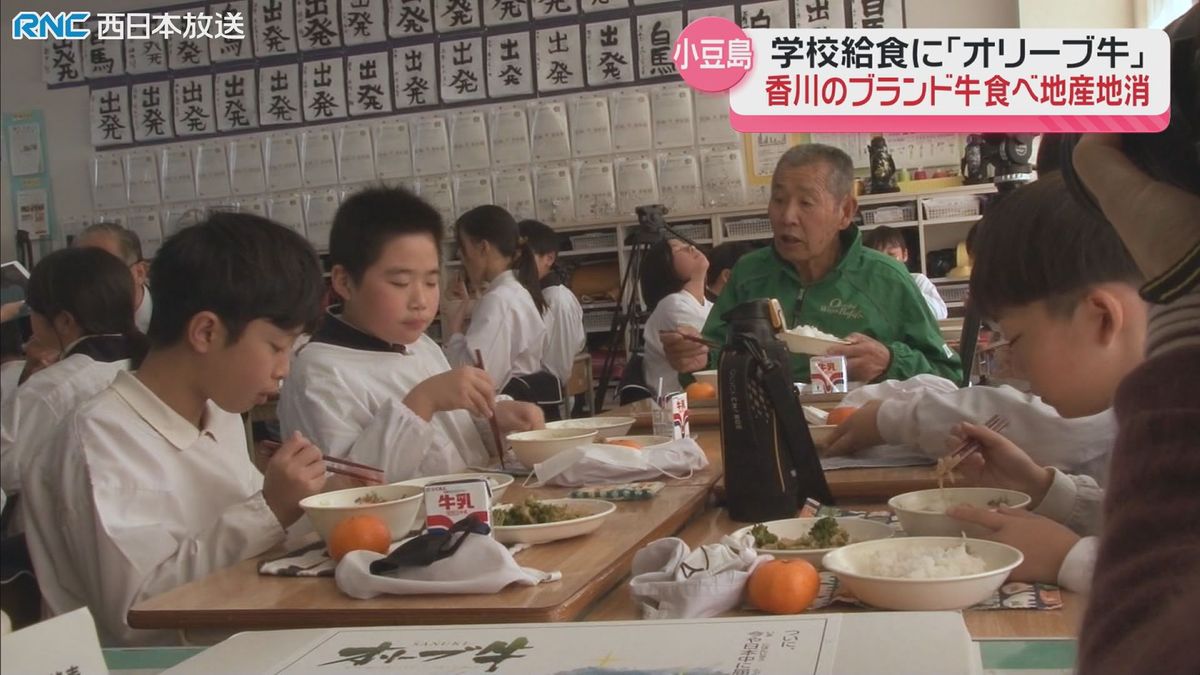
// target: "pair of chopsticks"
[[492, 420], [694, 338], [364, 472], [966, 448]]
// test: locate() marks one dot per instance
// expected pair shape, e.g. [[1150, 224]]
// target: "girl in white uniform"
[[81, 301], [565, 336], [506, 326], [673, 276]]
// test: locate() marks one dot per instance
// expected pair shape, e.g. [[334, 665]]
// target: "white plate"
[[923, 594], [859, 529], [596, 509], [801, 344]]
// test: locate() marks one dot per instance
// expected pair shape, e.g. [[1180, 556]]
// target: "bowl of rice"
[[923, 573], [810, 340], [923, 513]]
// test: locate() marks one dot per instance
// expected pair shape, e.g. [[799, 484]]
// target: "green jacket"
[[866, 292]]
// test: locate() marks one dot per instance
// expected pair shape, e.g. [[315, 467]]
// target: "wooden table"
[[239, 598], [595, 569], [711, 525]]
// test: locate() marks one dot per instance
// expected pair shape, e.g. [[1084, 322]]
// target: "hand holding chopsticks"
[[969, 446], [686, 350], [496, 435], [344, 467], [294, 470]]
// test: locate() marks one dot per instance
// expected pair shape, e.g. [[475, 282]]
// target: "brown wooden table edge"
[[286, 618]]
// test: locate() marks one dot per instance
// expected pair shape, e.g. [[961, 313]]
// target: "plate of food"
[[810, 340], [535, 521], [811, 538]]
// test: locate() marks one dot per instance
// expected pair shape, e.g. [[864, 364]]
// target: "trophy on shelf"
[[972, 161], [883, 167]]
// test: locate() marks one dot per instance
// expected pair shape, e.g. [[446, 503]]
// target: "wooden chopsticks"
[[492, 420], [694, 338], [995, 423], [364, 472]]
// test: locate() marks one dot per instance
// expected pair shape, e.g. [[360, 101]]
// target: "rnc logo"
[[46, 25]]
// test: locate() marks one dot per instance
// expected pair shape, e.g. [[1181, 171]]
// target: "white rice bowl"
[[923, 513], [923, 573]]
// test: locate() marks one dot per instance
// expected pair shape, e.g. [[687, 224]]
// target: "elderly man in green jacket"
[[823, 276]]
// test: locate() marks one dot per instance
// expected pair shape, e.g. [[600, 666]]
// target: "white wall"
[[1089, 14], [68, 143]]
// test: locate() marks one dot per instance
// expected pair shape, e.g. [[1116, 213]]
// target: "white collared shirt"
[[932, 297], [565, 336], [506, 329], [141, 315], [677, 309], [132, 500], [349, 402], [39, 406], [919, 416]]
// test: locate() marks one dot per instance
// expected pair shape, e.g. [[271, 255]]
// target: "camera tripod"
[[651, 227]]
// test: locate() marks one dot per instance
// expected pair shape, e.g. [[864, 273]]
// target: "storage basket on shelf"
[[953, 292], [694, 231], [593, 240], [897, 213], [598, 321], [963, 206], [748, 227]]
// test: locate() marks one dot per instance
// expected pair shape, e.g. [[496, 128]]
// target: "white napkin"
[[597, 464], [672, 581], [480, 565]]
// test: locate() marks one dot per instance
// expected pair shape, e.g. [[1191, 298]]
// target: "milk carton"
[[448, 502], [827, 374], [671, 416]]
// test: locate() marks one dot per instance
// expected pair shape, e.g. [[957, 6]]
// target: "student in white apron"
[[81, 302], [371, 386], [565, 336], [673, 277], [506, 327]]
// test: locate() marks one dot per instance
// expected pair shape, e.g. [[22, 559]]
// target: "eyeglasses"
[[428, 548]]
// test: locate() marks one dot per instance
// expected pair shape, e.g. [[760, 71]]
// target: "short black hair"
[[724, 257], [127, 240], [659, 278], [241, 267], [90, 284], [540, 237], [1038, 244], [883, 236], [370, 218]]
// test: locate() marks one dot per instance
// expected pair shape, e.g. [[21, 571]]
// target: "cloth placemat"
[[1012, 595]]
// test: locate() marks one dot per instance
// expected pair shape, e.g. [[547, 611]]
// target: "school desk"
[[595, 569]]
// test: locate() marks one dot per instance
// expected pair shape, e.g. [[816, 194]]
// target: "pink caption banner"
[[931, 80]]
